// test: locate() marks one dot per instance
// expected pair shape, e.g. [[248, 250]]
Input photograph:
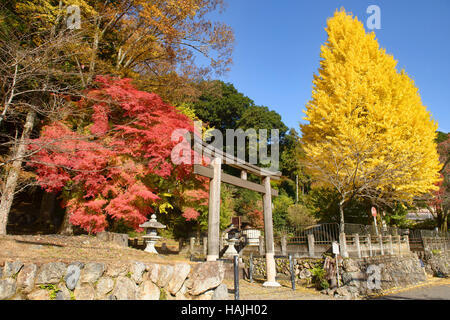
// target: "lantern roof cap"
[[152, 223]]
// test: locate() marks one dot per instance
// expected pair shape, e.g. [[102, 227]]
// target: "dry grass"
[[47, 248]]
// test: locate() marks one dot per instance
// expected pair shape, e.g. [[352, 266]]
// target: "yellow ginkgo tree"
[[367, 132]]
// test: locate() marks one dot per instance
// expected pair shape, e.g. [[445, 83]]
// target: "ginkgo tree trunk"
[[367, 132]]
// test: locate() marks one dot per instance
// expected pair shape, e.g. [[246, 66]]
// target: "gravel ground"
[[255, 291]]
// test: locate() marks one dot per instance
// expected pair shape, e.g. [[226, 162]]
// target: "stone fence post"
[[205, 245], [191, 244], [180, 244], [343, 245], [407, 243], [221, 241], [399, 244], [283, 245], [357, 244], [369, 244], [311, 248], [261, 245], [380, 240], [391, 247]]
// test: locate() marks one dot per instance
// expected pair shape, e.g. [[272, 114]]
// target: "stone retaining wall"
[[302, 267], [437, 264], [373, 275], [357, 277], [100, 281]]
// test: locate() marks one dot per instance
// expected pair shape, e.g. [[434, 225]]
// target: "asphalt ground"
[[432, 289]]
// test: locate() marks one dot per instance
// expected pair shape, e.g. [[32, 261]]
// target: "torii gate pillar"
[[268, 235], [214, 211]]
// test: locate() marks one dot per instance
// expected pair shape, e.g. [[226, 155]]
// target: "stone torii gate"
[[214, 172]]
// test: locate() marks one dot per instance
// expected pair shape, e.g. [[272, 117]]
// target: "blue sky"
[[278, 44]]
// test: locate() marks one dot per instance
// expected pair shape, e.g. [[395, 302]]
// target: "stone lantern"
[[233, 239], [151, 235]]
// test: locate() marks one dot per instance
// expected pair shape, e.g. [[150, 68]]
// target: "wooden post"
[[268, 235], [358, 246], [369, 244], [214, 211], [311, 249], [283, 245]]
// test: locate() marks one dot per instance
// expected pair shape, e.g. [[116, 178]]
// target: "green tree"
[[260, 117], [441, 136], [280, 210], [222, 108]]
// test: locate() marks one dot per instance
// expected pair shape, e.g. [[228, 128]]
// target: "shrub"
[[318, 277]]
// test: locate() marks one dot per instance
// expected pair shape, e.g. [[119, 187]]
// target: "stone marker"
[[120, 239]]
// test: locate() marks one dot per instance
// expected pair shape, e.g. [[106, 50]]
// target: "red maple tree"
[[117, 160]]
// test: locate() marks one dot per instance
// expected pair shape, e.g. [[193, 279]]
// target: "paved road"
[[433, 289], [432, 292], [255, 291]]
